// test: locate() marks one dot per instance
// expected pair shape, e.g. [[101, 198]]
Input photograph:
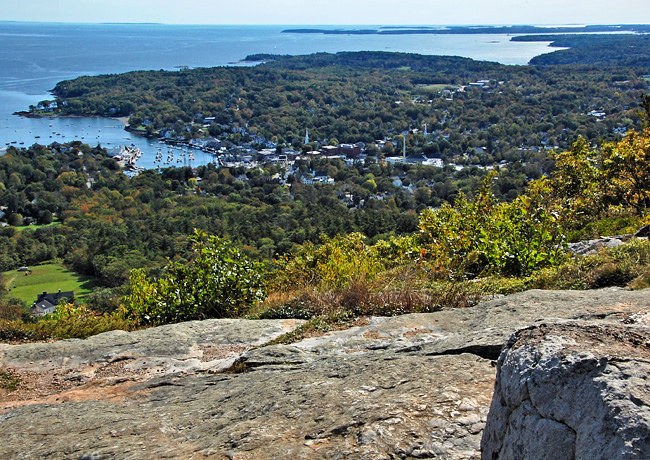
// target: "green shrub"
[[608, 226], [481, 237], [17, 331], [15, 219], [627, 265], [12, 308], [9, 380], [219, 281], [106, 300], [334, 264], [78, 321]]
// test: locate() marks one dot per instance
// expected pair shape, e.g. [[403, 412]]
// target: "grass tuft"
[[9, 380]]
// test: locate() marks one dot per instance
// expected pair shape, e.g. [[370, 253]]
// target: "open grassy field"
[[35, 227], [50, 278], [437, 87]]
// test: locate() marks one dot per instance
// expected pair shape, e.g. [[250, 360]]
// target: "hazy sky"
[[330, 11]]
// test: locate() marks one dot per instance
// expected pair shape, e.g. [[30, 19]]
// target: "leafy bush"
[[75, 321], [626, 167], [589, 182], [16, 331], [105, 300], [219, 281], [624, 266], [577, 182], [480, 236], [608, 226], [334, 264], [12, 308]]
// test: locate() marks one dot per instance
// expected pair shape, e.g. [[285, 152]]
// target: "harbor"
[[108, 133], [128, 157]]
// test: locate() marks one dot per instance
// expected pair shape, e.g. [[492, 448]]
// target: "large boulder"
[[572, 390]]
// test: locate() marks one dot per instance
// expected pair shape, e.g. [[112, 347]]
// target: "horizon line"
[[559, 24]]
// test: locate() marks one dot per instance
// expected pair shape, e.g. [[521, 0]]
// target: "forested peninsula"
[[475, 112], [622, 50]]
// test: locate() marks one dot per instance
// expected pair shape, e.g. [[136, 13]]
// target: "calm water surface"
[[34, 57]]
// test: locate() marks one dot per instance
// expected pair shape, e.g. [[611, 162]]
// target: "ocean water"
[[35, 56]]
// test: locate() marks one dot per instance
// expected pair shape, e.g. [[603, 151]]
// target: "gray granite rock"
[[414, 386], [590, 247], [572, 390], [176, 346]]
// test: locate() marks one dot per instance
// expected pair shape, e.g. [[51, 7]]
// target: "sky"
[[286, 12]]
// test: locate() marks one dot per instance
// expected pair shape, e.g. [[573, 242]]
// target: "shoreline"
[[26, 114], [123, 120]]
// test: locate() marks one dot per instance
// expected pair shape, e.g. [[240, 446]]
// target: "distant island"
[[463, 30]]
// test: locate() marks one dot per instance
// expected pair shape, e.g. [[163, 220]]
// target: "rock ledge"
[[413, 386]]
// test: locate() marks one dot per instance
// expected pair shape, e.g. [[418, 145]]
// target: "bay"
[[35, 56]]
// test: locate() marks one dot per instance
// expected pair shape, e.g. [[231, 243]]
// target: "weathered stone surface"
[[362, 407], [413, 386], [107, 364], [180, 342], [485, 328], [589, 247], [572, 390]]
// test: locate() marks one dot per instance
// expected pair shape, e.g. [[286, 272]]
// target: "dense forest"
[[478, 112], [118, 223]]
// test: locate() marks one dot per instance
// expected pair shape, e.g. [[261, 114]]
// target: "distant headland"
[[463, 30]]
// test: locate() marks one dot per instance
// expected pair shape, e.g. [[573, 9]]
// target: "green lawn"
[[48, 278], [437, 87], [34, 227]]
